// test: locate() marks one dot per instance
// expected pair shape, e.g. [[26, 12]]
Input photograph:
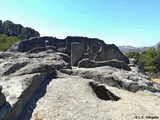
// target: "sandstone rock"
[[73, 98], [105, 51], [103, 93], [86, 63], [22, 73], [14, 67], [127, 80], [35, 79], [77, 52], [27, 63], [32, 43], [41, 49]]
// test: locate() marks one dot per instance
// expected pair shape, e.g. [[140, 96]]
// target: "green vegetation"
[[7, 41], [11, 33], [133, 54], [11, 29], [150, 59]]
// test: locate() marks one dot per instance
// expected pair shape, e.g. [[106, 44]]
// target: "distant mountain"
[[128, 48], [155, 46]]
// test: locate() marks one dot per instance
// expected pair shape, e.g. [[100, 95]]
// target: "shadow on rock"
[[103, 93], [4, 109], [31, 105]]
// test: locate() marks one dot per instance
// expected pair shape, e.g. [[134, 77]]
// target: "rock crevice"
[[102, 93]]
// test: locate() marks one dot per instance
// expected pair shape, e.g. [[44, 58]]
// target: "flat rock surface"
[[72, 98]]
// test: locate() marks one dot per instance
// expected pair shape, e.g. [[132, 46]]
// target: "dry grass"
[[157, 80], [37, 118]]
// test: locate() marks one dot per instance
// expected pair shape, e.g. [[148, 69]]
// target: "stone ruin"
[[78, 48]]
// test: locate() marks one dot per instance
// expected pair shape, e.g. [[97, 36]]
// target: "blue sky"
[[122, 22]]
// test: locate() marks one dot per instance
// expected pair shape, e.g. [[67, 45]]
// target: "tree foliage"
[[150, 59], [11, 29], [133, 54], [10, 33], [0, 26]]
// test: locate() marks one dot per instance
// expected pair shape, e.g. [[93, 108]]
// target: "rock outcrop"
[[39, 42], [77, 51], [95, 48], [22, 73], [127, 80], [86, 63], [73, 98], [40, 81]]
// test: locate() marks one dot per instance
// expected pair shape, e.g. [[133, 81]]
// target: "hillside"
[[10, 33], [128, 48], [7, 41], [11, 29]]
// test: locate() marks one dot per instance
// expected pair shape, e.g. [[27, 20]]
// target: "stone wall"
[[96, 49], [86, 63], [30, 44], [77, 52]]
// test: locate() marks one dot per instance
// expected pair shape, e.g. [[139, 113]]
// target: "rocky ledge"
[[20, 76]]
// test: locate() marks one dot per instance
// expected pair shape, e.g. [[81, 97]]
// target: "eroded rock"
[[95, 48], [127, 80], [75, 94], [77, 52], [22, 73], [73, 98], [86, 63], [103, 93]]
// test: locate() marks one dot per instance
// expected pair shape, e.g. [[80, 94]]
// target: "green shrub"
[[7, 41], [133, 54], [150, 68], [149, 59]]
